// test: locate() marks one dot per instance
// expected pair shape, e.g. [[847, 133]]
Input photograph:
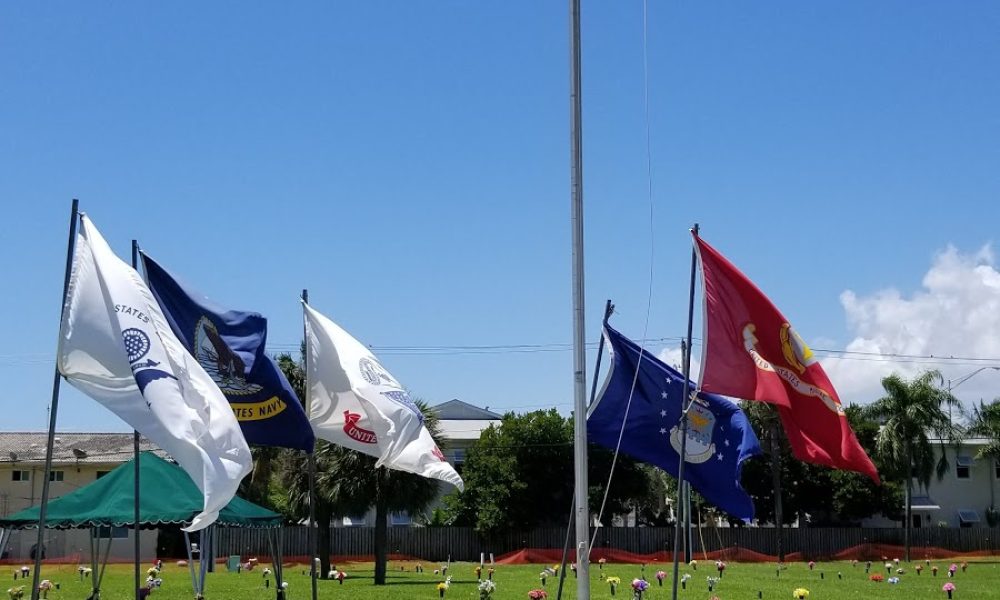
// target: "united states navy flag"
[[229, 344], [719, 435]]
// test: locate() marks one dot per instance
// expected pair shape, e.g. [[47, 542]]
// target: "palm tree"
[[764, 418], [909, 412], [985, 423], [347, 483]]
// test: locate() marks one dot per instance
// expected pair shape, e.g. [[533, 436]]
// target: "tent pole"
[[135, 459], [4, 539], [107, 552], [93, 557], [274, 537], [53, 409], [206, 542], [194, 580]]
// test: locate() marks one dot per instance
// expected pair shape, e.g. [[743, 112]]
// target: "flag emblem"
[[136, 343], [224, 366], [356, 433], [795, 352], [701, 427]]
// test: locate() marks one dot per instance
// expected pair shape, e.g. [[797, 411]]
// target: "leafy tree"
[[829, 497], [856, 496], [985, 423], [520, 475], [909, 411], [347, 483], [767, 424]]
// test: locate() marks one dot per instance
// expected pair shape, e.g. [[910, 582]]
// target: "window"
[[398, 519], [963, 467], [996, 469], [459, 459], [113, 533], [20, 476], [103, 473], [967, 518], [56, 475], [357, 521]]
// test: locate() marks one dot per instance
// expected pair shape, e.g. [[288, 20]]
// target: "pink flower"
[[948, 587], [660, 575]]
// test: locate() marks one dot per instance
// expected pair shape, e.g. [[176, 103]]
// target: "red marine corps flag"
[[751, 352]]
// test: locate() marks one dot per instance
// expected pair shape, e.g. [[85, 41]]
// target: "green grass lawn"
[[740, 581]]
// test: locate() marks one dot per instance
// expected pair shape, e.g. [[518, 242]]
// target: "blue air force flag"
[[116, 347], [719, 435], [229, 345]]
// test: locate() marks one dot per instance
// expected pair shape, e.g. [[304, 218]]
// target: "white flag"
[[116, 346], [353, 401]]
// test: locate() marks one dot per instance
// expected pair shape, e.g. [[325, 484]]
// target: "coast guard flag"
[[229, 345], [116, 347], [719, 437], [751, 352], [354, 402]]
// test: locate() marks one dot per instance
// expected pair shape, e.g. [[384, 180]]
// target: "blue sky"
[[407, 162]]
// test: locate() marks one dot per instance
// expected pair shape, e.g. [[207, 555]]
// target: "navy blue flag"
[[229, 344], [719, 435]]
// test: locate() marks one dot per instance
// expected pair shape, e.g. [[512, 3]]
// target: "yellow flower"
[[800, 593], [614, 580], [442, 586]]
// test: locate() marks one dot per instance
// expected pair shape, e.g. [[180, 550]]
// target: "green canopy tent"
[[168, 497]]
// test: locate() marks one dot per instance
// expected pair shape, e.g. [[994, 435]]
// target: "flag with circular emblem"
[[751, 352]]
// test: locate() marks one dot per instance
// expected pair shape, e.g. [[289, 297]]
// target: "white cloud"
[[674, 358], [956, 313]]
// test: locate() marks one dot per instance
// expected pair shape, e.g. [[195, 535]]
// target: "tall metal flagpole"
[[684, 415], [313, 538], [53, 408], [135, 454], [608, 309], [579, 337]]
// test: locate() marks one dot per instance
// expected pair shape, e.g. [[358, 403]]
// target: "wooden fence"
[[464, 544]]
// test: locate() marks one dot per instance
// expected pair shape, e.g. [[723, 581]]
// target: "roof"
[[456, 410], [94, 448], [923, 503], [108, 501]]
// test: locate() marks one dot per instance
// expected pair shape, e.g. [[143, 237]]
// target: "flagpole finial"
[[695, 230]]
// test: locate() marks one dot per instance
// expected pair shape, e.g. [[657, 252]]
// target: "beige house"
[[78, 459]]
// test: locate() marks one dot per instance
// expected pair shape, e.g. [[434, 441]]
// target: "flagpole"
[[684, 415], [135, 459], [54, 407], [688, 535], [608, 309], [313, 538], [579, 336]]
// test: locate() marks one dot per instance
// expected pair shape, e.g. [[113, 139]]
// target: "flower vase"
[[684, 585], [661, 582], [949, 594], [612, 590], [441, 593]]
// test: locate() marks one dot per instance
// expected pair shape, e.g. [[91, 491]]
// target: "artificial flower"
[[800, 593]]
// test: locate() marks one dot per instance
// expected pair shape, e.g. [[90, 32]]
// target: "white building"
[[961, 497]]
